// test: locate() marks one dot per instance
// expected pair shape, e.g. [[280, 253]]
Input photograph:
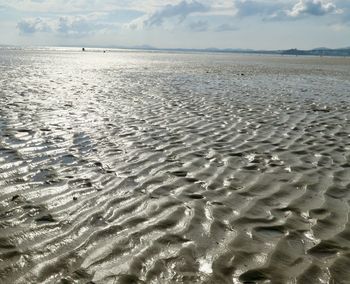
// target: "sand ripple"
[[181, 168]]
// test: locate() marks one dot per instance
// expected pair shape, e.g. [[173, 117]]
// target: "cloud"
[[342, 21], [77, 25], [179, 11], [30, 26], [74, 18], [312, 7], [225, 28], [74, 6], [199, 26], [245, 8], [277, 10]]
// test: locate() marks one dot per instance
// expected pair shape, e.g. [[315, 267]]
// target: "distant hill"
[[318, 52]]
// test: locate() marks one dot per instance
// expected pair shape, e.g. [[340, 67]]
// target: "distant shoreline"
[[338, 52]]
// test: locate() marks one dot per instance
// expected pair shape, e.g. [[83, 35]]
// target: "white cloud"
[[313, 7], [65, 25], [278, 10], [179, 11], [33, 25]]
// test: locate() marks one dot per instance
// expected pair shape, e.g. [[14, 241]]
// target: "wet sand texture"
[[132, 167]]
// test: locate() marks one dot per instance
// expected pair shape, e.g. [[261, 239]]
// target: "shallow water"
[[145, 167]]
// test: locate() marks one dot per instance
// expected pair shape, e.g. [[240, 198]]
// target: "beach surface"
[[155, 167]]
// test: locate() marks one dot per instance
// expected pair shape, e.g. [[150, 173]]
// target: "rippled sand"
[[132, 167]]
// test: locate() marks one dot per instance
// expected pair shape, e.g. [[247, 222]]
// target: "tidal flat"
[[156, 167]]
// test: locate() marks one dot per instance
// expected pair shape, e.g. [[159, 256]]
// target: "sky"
[[255, 24]]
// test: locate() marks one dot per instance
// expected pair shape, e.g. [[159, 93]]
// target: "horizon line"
[[150, 47]]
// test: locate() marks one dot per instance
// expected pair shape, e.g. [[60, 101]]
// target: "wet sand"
[[135, 167]]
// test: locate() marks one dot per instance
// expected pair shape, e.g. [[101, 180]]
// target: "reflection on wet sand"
[[132, 167]]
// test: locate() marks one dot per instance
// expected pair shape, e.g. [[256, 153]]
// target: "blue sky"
[[259, 24]]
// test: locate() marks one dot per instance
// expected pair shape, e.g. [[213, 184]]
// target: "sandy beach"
[[156, 167]]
